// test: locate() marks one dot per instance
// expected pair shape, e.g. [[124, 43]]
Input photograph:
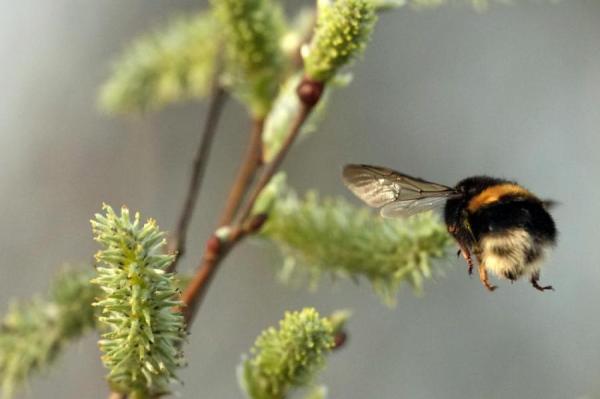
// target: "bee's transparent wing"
[[397, 194], [404, 209]]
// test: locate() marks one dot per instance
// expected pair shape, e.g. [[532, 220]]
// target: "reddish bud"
[[339, 340], [256, 222], [213, 245], [310, 91]]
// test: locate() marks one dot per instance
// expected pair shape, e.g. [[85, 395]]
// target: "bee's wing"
[[397, 194], [404, 209]]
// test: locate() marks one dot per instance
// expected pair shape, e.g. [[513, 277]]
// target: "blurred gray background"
[[442, 94]]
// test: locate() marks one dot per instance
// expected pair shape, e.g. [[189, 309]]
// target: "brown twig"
[[217, 247], [178, 243], [252, 161], [272, 166]]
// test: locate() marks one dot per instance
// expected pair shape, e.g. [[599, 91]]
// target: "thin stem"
[[252, 161], [214, 250], [178, 244], [272, 167], [218, 248]]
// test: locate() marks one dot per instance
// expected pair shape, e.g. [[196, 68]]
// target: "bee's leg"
[[535, 277], [464, 251], [483, 276]]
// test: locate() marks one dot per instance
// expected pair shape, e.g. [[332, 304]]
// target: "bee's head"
[[454, 212]]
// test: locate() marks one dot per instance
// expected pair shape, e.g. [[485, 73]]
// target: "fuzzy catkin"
[[34, 333], [141, 347], [329, 236], [343, 30], [287, 357], [172, 64], [255, 61]]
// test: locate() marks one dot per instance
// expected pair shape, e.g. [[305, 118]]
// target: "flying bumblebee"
[[504, 225]]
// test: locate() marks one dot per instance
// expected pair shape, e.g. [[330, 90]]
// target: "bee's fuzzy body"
[[507, 227]]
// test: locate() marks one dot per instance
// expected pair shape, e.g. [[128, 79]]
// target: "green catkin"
[[343, 30], [330, 236], [255, 61], [288, 357], [34, 333], [140, 348], [172, 64]]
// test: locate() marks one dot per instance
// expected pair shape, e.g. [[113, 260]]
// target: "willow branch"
[[215, 251], [178, 243], [217, 248], [252, 161], [272, 167]]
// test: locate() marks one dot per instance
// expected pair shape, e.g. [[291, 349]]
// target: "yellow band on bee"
[[494, 193]]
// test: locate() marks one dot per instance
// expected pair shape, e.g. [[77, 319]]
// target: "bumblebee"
[[505, 226]]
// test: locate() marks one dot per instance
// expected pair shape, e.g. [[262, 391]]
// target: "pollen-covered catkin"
[[141, 347]]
